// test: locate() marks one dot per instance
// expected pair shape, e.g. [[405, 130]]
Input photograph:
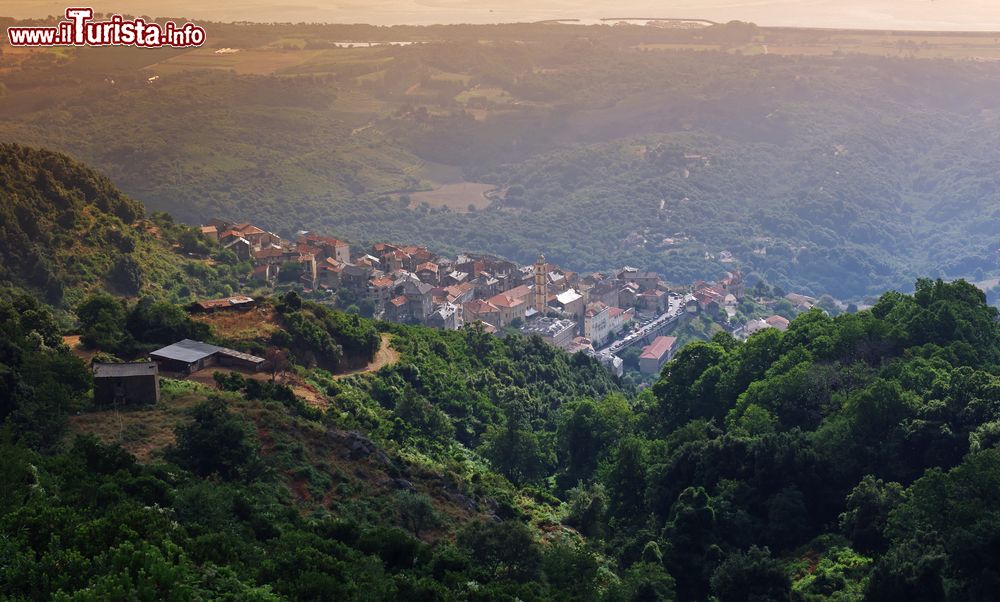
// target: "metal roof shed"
[[186, 356]]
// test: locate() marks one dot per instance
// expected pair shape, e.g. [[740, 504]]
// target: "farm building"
[[189, 356], [137, 383]]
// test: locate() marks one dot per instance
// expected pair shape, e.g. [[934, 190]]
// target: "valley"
[[538, 311]]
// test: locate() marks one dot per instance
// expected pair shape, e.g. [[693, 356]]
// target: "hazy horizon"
[[971, 15]]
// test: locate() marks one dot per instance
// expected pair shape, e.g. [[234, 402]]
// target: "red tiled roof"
[[382, 247], [248, 229], [778, 321], [660, 347], [428, 265], [269, 252], [505, 300], [308, 249], [322, 240], [479, 306], [380, 282], [519, 292], [595, 308]]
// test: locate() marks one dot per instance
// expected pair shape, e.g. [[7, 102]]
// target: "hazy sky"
[[900, 14]]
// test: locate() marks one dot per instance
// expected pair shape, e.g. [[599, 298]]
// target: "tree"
[[626, 481], [292, 300], [867, 511], [216, 442], [277, 360], [571, 571], [517, 452], [751, 576], [502, 550], [126, 275], [102, 323], [161, 322], [586, 429], [645, 582], [193, 242], [417, 512]]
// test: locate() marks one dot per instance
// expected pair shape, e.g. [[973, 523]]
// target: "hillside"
[[849, 458], [66, 230]]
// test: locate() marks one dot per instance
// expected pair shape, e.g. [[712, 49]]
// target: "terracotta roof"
[[660, 347], [520, 292], [322, 240], [380, 282], [778, 322], [269, 252], [505, 300], [428, 265], [248, 229], [209, 230], [479, 306], [398, 301]]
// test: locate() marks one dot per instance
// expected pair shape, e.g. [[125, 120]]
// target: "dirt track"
[[385, 356]]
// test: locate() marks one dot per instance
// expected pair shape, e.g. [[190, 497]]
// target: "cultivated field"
[[456, 197]]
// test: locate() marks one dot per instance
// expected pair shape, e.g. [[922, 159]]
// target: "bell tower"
[[541, 285]]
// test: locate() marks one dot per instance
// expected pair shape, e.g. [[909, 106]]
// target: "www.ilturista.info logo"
[[81, 30]]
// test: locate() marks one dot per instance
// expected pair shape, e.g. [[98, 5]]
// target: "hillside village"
[[600, 314]]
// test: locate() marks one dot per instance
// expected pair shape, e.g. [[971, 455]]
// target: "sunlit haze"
[[886, 14]]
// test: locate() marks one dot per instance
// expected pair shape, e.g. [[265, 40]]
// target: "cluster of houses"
[[410, 283], [407, 283]]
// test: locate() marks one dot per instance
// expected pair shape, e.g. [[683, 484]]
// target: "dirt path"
[[73, 342], [385, 356]]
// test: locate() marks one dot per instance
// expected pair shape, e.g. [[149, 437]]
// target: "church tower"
[[541, 285]]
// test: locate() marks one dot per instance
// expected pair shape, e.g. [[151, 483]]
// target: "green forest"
[[842, 173], [848, 458], [66, 230]]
